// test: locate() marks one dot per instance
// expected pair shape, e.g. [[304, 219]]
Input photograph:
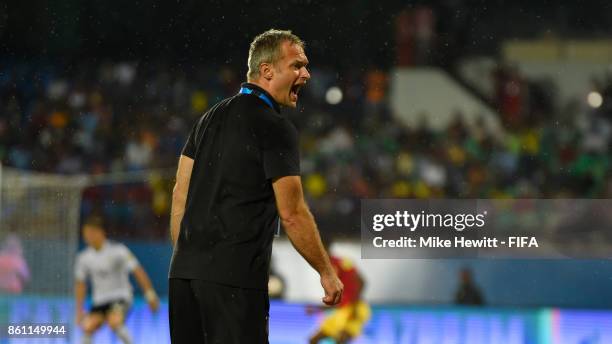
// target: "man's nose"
[[305, 74]]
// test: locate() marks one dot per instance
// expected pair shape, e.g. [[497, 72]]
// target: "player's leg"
[[344, 338], [232, 315], [115, 317], [317, 337], [332, 325], [91, 324], [186, 325], [354, 325]]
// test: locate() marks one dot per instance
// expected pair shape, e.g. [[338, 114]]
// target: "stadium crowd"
[[111, 117]]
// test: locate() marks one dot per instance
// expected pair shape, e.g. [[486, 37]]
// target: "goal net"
[[39, 219]]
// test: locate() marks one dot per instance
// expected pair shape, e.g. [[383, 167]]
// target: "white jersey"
[[108, 269]]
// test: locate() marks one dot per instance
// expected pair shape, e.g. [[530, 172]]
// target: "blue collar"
[[261, 94]]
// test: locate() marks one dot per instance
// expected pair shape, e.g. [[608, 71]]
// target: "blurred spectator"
[[14, 271], [510, 93], [468, 293], [415, 36], [114, 117]]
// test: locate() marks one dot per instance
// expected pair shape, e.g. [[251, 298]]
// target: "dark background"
[[357, 33]]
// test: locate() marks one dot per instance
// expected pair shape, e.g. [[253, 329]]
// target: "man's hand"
[[154, 305], [145, 283], [152, 300], [333, 289]]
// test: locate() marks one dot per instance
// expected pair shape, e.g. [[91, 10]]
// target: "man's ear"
[[266, 71]]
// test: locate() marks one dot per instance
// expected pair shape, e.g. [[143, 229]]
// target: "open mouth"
[[295, 89]]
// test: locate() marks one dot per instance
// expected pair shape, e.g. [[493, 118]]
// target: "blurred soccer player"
[[14, 271], [107, 265], [468, 292], [239, 170], [346, 322]]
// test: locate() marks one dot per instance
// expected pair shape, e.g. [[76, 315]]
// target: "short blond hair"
[[266, 48]]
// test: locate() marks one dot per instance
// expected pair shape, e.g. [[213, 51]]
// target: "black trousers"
[[210, 313]]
